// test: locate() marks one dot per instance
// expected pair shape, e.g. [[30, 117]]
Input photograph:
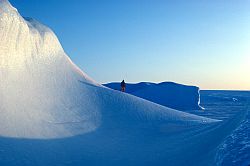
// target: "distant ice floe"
[[169, 94]]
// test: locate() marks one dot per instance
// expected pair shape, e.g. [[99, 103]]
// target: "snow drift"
[[169, 94], [40, 92]]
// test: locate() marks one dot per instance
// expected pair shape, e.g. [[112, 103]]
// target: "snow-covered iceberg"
[[169, 94]]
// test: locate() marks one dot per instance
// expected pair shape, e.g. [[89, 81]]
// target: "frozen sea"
[[233, 108], [224, 144]]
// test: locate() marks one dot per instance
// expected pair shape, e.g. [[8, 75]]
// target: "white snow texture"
[[44, 95]]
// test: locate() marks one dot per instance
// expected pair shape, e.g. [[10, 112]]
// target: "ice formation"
[[169, 94], [44, 95], [52, 113]]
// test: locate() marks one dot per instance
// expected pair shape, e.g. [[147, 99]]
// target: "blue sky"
[[203, 42]]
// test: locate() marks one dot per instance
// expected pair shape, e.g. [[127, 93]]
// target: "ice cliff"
[[169, 94]]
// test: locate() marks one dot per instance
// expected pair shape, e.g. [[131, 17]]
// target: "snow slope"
[[41, 95], [169, 94]]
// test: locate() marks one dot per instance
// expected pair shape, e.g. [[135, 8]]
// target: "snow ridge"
[[5, 6], [40, 86]]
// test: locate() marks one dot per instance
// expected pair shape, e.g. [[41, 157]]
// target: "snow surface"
[[234, 150], [52, 113], [169, 94]]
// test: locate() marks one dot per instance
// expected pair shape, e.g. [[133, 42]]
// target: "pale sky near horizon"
[[197, 42]]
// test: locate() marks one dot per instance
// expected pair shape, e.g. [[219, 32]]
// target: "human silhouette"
[[123, 86]]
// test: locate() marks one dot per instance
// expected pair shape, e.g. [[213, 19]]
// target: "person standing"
[[123, 86]]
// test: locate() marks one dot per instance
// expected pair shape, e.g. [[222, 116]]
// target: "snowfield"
[[52, 113]]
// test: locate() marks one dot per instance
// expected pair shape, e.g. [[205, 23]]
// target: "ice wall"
[[169, 94]]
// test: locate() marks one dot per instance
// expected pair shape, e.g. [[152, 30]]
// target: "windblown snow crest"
[[40, 91], [44, 95]]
